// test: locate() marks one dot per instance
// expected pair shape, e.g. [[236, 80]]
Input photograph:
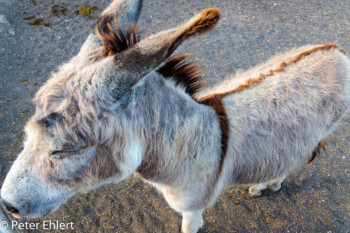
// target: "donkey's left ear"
[[126, 12]]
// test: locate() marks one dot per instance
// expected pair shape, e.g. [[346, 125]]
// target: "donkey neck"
[[178, 132]]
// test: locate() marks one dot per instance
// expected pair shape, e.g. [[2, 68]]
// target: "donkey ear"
[[145, 56], [125, 12]]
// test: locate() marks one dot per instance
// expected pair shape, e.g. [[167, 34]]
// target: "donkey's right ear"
[[125, 12]]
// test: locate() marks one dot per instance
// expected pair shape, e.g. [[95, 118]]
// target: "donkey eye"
[[57, 152], [70, 147], [65, 152], [51, 119]]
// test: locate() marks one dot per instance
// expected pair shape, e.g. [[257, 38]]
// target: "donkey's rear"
[[281, 111]]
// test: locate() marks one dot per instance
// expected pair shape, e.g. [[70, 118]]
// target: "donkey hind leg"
[[274, 185], [191, 221]]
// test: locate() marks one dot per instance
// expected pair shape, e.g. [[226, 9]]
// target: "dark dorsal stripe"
[[219, 107], [115, 41], [281, 68]]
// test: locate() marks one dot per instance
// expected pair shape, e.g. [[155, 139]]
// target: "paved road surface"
[[314, 198]]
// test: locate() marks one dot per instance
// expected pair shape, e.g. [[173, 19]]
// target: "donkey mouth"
[[16, 215], [13, 211], [10, 209]]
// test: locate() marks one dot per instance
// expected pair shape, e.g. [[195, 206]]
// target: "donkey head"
[[81, 135]]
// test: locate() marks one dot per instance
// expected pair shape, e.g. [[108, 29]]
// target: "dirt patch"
[[59, 10], [39, 22], [87, 11]]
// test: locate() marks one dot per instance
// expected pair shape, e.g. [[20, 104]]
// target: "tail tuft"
[[317, 151]]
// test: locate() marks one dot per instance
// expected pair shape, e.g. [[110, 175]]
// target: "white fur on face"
[[24, 190], [38, 183]]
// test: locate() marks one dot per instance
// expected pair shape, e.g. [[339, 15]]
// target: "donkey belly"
[[271, 149]]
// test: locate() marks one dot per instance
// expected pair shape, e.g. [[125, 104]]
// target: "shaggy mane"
[[185, 73], [115, 41]]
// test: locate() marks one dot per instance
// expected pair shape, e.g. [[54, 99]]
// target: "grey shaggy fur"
[[101, 119]]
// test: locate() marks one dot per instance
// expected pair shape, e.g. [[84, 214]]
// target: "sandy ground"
[[314, 198]]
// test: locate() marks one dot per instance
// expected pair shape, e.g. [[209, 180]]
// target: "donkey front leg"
[[191, 221]]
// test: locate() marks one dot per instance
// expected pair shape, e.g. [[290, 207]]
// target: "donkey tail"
[[317, 151]]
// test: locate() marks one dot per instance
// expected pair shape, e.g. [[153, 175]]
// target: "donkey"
[[124, 106]]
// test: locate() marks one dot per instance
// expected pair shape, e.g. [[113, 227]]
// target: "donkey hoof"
[[275, 187]]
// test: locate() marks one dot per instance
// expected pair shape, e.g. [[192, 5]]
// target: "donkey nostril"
[[11, 209]]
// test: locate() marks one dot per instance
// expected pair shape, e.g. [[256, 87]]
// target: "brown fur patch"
[[217, 104], [115, 42], [183, 73], [204, 21], [149, 167], [153, 167], [321, 145], [201, 23], [256, 80], [103, 165]]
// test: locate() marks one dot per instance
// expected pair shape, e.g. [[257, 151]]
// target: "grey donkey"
[[124, 106]]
